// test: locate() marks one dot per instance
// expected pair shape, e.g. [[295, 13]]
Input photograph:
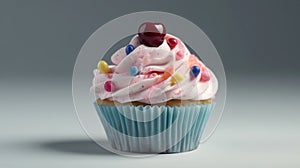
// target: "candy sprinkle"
[[172, 42], [205, 76], [179, 55], [168, 72], [109, 86], [103, 67], [129, 49], [195, 70], [133, 71], [176, 78]]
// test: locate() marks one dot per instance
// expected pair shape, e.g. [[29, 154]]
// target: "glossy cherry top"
[[151, 34]]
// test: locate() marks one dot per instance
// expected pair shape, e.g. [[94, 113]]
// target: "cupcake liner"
[[154, 129]]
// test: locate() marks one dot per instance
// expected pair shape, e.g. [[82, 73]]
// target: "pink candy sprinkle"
[[204, 76], [179, 55], [152, 75], [178, 91], [109, 86]]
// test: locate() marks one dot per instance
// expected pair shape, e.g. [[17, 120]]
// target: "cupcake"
[[157, 97]]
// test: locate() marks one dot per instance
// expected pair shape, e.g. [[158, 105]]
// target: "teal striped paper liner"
[[154, 129]]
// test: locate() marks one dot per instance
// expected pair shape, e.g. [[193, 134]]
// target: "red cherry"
[[172, 42], [152, 34]]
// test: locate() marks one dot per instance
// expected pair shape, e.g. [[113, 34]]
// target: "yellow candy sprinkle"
[[103, 67], [176, 78]]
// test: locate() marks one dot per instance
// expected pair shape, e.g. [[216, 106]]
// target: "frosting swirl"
[[155, 75]]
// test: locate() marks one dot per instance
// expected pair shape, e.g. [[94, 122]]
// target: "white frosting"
[[149, 86]]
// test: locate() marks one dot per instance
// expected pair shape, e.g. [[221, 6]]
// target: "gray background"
[[257, 40]]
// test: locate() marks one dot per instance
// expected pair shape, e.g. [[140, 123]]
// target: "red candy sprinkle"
[[109, 86], [204, 76], [172, 42]]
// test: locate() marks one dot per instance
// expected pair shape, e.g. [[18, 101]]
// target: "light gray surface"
[[260, 128]]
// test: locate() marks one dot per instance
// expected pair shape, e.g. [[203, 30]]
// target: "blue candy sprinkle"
[[195, 70], [129, 49], [133, 71]]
